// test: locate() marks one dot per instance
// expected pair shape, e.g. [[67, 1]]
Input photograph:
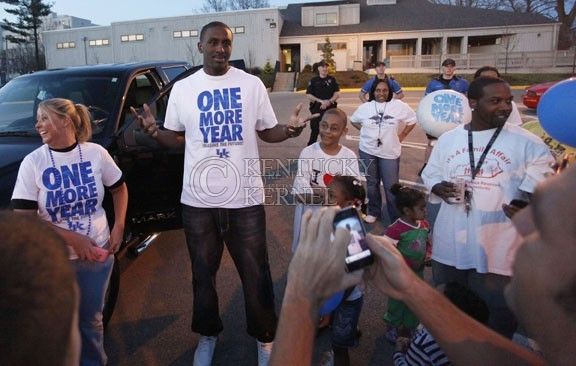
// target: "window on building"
[[185, 33], [238, 30], [327, 18], [64, 45], [131, 37], [335, 46], [98, 42], [478, 41]]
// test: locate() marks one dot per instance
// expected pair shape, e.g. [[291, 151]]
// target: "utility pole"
[[85, 50]]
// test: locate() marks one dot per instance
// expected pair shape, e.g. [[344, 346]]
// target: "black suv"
[[153, 175]]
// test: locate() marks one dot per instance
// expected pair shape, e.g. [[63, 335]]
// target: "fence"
[[472, 61]]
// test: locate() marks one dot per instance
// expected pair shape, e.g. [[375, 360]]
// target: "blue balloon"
[[557, 112], [332, 303]]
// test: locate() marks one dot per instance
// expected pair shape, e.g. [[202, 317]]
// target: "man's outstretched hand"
[[297, 123], [146, 120]]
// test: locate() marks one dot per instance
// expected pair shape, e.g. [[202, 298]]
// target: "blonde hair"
[[78, 113]]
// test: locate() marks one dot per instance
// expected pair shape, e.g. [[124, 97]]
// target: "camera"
[[358, 255]]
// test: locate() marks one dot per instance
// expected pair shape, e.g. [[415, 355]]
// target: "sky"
[[103, 12]]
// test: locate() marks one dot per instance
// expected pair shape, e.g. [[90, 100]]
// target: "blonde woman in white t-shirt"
[[64, 182], [384, 123]]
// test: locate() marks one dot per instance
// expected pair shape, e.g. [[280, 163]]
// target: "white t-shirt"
[[514, 118], [383, 121], [485, 239], [70, 191], [221, 116], [314, 165]]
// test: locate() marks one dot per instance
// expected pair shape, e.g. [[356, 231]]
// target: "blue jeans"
[[380, 170], [92, 278], [243, 230]]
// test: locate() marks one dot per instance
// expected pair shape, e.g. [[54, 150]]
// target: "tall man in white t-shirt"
[[217, 114], [474, 239]]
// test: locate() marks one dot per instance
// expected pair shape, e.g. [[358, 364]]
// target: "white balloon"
[[442, 110]]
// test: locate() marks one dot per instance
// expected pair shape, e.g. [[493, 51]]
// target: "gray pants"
[[490, 288]]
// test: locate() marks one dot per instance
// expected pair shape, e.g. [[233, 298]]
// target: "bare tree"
[[247, 4], [566, 17], [21, 59], [193, 54], [560, 10], [223, 5], [211, 6], [250, 59], [25, 28]]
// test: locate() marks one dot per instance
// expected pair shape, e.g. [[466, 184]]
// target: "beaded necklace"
[[381, 115], [59, 183]]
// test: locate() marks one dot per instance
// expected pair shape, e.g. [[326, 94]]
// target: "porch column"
[[383, 51], [444, 47], [418, 58], [464, 45]]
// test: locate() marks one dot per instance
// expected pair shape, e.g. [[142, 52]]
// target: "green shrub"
[[267, 79], [268, 69]]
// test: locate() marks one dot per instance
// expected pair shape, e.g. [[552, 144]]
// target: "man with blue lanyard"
[[499, 165]]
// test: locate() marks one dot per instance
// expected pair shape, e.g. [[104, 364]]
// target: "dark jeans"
[[345, 323], [380, 170], [243, 230], [488, 286], [314, 128]]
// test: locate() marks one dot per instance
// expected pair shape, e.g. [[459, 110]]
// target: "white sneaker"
[[204, 351], [264, 352], [370, 219]]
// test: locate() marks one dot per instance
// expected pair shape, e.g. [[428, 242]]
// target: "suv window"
[[141, 90], [172, 72], [19, 98]]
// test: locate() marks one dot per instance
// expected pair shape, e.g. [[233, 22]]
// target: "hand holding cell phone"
[[101, 254], [513, 207], [358, 254], [518, 203]]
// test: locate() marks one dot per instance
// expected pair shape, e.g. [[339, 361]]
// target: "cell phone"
[[518, 203], [102, 254], [358, 254]]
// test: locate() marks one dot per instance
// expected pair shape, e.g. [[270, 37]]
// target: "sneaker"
[[391, 334], [327, 358], [264, 352], [204, 351], [370, 219]]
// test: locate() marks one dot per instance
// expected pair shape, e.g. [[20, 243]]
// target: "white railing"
[[472, 61]]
